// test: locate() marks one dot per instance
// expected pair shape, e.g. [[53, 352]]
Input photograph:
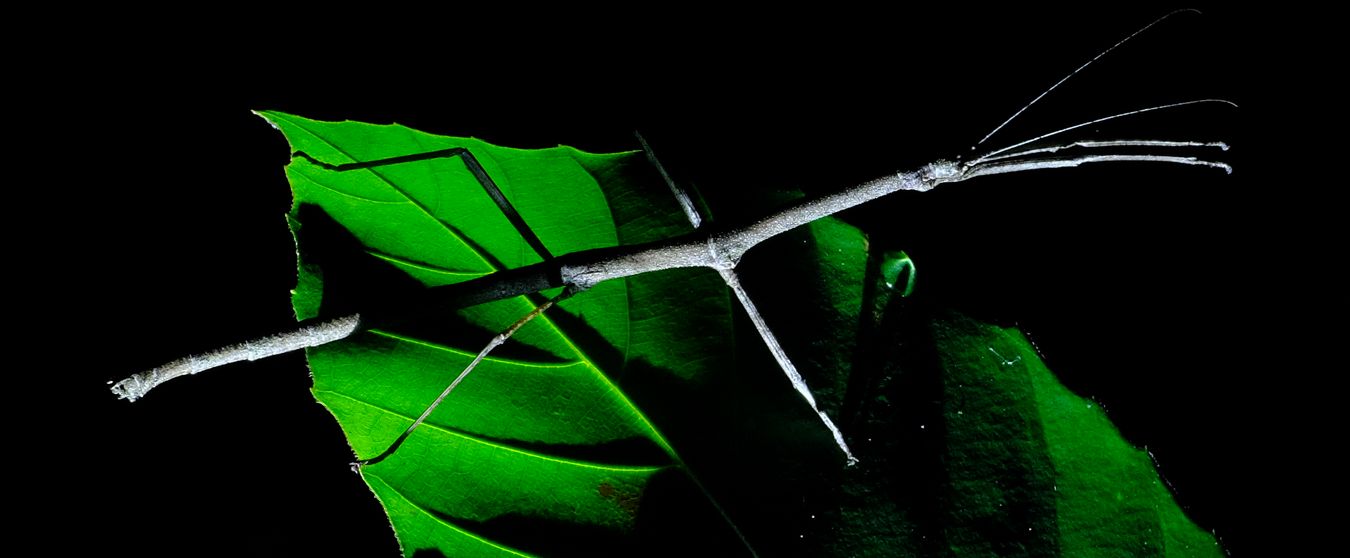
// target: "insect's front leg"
[[475, 168]]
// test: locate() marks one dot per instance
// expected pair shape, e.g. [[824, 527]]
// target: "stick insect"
[[720, 249]]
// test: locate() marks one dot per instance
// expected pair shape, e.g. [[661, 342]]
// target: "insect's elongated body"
[[714, 248], [718, 247]]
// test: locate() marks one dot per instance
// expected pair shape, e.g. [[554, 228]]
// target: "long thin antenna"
[[1075, 72]]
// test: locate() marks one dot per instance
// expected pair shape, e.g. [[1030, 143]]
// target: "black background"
[[1196, 307]]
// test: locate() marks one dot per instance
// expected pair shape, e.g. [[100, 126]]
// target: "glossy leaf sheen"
[[477, 459]]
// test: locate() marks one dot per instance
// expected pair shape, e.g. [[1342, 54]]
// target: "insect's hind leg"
[[475, 168], [766, 334]]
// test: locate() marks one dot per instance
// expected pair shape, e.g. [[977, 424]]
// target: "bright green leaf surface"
[[501, 448], [970, 447]]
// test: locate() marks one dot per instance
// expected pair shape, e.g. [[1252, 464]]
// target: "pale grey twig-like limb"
[[135, 387], [992, 154], [779, 355], [695, 220], [681, 196], [1068, 162], [717, 249], [733, 282], [1096, 144]]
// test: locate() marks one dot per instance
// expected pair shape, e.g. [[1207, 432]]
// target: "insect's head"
[[941, 171]]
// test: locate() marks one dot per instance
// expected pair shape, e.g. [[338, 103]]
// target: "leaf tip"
[[266, 115]]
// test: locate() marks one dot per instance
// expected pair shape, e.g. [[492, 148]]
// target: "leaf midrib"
[[411, 200], [586, 363], [372, 477]]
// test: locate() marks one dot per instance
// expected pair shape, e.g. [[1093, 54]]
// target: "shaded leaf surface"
[[566, 443], [1044, 470], [974, 447]]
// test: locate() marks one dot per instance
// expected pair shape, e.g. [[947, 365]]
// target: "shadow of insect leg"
[[474, 167]]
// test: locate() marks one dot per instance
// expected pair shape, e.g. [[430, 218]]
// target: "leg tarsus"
[[681, 196]]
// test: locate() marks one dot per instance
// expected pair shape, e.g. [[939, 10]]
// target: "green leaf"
[[566, 440], [974, 448], [1086, 490], [543, 433]]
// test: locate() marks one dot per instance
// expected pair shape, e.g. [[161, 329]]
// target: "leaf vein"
[[471, 355], [372, 476], [503, 447], [424, 266], [414, 201]]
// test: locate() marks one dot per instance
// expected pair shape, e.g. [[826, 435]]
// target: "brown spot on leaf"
[[626, 500]]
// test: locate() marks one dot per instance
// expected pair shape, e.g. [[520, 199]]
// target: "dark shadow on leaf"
[[355, 281], [895, 395], [636, 452], [748, 437], [924, 463], [744, 457], [671, 519], [711, 424], [866, 369], [600, 352]]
